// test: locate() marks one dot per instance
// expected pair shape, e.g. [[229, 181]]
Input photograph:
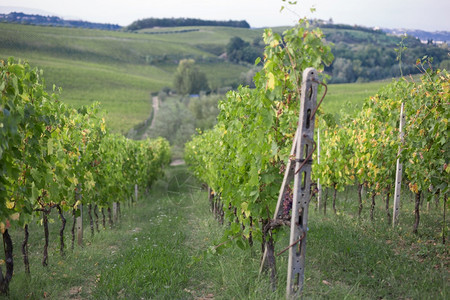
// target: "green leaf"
[[240, 244], [50, 147], [34, 192]]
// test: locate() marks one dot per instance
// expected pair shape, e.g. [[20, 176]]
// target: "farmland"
[[121, 69], [167, 243], [118, 69]]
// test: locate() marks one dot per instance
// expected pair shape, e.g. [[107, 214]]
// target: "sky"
[[429, 15]]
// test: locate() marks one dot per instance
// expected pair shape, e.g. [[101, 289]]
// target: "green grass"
[[158, 251], [348, 97], [204, 34]]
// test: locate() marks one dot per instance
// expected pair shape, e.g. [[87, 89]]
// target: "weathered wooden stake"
[[302, 148], [319, 187], [115, 212], [398, 173], [136, 192], [80, 226], [302, 185]]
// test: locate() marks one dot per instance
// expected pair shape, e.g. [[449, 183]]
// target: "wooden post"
[[303, 147], [302, 185], [135, 192], [80, 226], [398, 173], [115, 212], [319, 187]]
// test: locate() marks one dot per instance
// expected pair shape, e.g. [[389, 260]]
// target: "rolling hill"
[[121, 69]]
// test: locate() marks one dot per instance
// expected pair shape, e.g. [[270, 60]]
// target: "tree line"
[[22, 18], [178, 22], [362, 54]]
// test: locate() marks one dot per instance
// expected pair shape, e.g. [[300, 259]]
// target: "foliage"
[[204, 111], [152, 253], [363, 54], [178, 118], [426, 156], [178, 22], [240, 158], [50, 152], [239, 50], [188, 79], [363, 147]]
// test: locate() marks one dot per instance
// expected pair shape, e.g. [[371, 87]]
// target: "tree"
[[189, 79], [240, 50]]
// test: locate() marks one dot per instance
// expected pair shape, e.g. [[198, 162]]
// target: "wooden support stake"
[[302, 186], [302, 148], [136, 192], [80, 226], [319, 187], [115, 212], [398, 173]]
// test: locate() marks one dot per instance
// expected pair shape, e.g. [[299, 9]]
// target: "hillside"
[[437, 37], [121, 69], [34, 19], [364, 54]]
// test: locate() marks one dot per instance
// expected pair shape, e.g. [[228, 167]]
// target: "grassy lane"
[[347, 258], [159, 251]]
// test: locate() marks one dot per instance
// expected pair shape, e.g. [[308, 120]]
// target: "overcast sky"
[[431, 15]]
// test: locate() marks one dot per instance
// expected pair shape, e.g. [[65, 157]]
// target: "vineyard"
[[243, 157], [53, 156], [381, 166]]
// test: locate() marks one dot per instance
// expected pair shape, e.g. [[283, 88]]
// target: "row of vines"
[[363, 148], [243, 158], [53, 156]]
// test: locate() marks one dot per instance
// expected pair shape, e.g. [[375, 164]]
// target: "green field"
[[348, 97], [118, 69], [121, 69]]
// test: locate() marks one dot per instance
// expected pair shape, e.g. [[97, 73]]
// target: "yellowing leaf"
[[9, 204], [244, 207], [271, 81], [76, 204], [15, 216], [274, 43]]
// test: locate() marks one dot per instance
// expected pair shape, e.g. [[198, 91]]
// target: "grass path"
[[159, 251]]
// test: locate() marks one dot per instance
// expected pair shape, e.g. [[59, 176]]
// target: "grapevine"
[[241, 157], [51, 153]]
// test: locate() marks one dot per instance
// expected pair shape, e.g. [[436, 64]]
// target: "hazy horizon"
[[407, 14]]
